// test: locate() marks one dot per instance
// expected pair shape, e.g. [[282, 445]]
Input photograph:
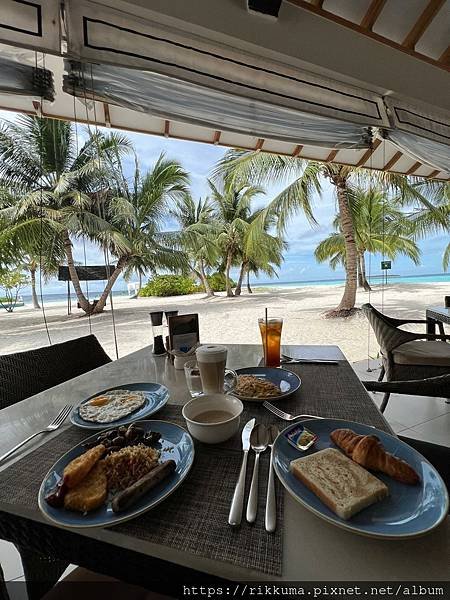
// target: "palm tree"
[[21, 252], [303, 178], [380, 227], [56, 185], [434, 217], [137, 215], [260, 255], [232, 205], [198, 236]]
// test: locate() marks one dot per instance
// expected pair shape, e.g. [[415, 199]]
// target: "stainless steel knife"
[[235, 516]]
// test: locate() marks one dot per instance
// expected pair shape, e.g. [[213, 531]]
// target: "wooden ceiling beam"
[[414, 168], [259, 144], [422, 23], [445, 56], [433, 174], [216, 138], [371, 34], [372, 14], [166, 129], [331, 156], [368, 153], [158, 132], [107, 114], [391, 162]]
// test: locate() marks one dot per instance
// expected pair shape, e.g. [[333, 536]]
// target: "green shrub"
[[169, 285], [217, 282]]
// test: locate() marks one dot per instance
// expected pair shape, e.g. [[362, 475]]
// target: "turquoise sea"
[[420, 279], [392, 279]]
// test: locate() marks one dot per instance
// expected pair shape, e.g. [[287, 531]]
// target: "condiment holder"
[[181, 358]]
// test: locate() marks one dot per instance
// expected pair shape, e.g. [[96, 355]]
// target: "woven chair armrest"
[[429, 336], [405, 321], [433, 386]]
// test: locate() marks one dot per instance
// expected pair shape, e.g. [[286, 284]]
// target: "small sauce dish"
[[213, 418]]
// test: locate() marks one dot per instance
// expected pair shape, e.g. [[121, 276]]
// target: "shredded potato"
[[254, 387], [129, 464]]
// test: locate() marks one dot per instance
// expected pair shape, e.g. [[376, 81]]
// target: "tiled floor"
[[414, 416], [417, 417]]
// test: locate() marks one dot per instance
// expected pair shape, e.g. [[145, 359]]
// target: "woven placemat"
[[193, 519]]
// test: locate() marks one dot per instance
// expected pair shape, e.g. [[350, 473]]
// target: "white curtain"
[[181, 101], [99, 34]]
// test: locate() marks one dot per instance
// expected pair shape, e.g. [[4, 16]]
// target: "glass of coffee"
[[211, 362]]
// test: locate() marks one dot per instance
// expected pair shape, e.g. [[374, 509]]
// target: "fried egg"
[[111, 406]]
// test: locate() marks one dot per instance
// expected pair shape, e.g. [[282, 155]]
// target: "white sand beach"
[[227, 320]]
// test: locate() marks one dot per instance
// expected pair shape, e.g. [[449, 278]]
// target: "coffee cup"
[[211, 360]]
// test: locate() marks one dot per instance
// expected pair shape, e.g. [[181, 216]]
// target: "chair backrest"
[[3, 591], [26, 373], [388, 336]]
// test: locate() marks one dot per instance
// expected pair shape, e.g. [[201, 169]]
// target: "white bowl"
[[213, 433]]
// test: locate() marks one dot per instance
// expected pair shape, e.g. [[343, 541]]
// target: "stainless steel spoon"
[[271, 503], [259, 440]]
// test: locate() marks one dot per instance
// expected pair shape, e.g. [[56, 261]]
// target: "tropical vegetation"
[[11, 283], [60, 187], [380, 228], [304, 179]]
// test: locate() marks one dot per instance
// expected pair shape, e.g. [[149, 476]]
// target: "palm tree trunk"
[[204, 279], [237, 291], [347, 304], [227, 275], [83, 301], [121, 263], [34, 296], [362, 272], [249, 289]]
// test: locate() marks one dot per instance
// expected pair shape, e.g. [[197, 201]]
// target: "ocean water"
[[393, 279]]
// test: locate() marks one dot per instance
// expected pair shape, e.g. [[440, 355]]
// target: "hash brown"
[[90, 493], [79, 468]]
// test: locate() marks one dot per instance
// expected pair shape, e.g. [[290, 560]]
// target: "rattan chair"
[[437, 387], [27, 373], [3, 591], [407, 356]]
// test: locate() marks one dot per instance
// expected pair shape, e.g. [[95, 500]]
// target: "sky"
[[299, 264]]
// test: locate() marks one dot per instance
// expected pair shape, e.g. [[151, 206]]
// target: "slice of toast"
[[343, 485]]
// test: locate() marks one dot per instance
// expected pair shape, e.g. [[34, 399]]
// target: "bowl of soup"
[[213, 418]]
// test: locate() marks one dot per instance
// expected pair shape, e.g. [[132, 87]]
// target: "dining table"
[[307, 548]]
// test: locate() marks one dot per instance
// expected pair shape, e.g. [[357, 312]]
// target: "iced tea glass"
[[271, 338]]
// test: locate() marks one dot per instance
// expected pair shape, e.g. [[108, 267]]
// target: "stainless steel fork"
[[286, 416], [55, 424]]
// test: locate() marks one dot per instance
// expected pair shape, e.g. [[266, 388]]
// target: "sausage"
[[131, 494]]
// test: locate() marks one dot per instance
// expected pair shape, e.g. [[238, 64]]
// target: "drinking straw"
[[266, 349]]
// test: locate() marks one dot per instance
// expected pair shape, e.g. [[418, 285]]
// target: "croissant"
[[368, 451]]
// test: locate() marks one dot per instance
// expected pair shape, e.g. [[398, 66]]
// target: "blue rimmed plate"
[[287, 381], [156, 396], [409, 511], [175, 444]]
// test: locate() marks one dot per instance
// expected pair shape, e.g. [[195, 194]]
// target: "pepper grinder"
[[157, 330], [169, 313]]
